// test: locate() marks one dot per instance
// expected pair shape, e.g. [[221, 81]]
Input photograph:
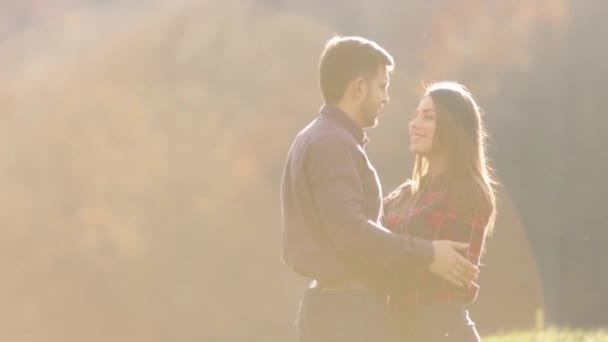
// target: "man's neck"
[[350, 111]]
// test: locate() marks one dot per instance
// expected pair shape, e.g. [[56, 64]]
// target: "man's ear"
[[359, 88]]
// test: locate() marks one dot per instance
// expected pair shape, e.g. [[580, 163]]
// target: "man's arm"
[[339, 193], [470, 226], [447, 262], [451, 265]]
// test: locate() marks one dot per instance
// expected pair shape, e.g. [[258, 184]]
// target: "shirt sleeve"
[[478, 232], [472, 229], [334, 173]]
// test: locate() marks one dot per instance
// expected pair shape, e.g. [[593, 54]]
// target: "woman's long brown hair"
[[459, 141]]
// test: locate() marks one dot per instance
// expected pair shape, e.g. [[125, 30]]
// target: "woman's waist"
[[434, 291]]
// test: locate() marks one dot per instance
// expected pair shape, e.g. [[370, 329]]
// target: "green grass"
[[551, 335]]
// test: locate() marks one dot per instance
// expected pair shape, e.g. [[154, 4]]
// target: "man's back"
[[328, 187]]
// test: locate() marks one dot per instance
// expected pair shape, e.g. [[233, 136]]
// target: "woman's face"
[[422, 127]]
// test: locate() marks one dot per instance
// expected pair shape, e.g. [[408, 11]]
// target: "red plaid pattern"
[[434, 218]]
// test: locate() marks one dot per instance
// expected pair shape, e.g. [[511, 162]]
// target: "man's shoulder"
[[325, 133]]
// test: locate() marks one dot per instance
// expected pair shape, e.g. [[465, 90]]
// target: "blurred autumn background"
[[142, 144]]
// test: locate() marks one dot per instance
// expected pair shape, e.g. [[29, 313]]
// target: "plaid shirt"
[[432, 218]]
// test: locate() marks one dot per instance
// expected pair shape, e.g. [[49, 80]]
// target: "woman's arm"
[[470, 228], [392, 203], [448, 260]]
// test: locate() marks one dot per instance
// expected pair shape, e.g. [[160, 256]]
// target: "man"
[[331, 204]]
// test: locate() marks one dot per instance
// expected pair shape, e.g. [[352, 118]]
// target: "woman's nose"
[[413, 123]]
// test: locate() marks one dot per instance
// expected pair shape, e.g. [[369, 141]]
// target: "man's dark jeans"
[[341, 315]]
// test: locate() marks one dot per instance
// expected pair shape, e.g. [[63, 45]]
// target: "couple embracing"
[[401, 267]]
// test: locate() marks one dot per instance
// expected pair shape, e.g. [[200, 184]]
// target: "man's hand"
[[451, 265]]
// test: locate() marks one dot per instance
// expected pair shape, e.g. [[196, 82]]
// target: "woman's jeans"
[[434, 323], [342, 315]]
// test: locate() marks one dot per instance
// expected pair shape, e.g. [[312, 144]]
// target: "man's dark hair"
[[346, 58]]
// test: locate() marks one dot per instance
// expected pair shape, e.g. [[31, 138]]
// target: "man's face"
[[376, 97]]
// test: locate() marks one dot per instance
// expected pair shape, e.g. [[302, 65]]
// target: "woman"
[[449, 197]]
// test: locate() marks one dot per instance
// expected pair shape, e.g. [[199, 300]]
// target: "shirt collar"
[[336, 114]]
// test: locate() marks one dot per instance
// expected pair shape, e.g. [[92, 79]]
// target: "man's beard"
[[368, 114]]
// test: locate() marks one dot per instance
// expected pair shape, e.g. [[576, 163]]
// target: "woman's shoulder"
[[403, 187], [472, 198], [402, 191]]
